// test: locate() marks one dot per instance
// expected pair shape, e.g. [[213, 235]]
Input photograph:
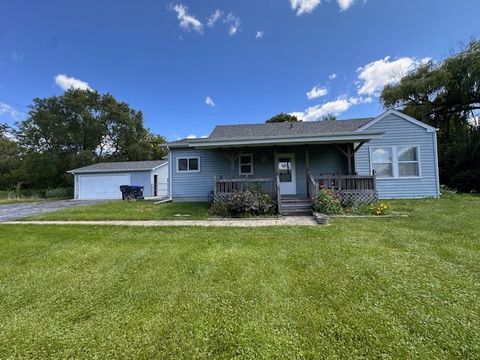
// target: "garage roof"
[[105, 167]]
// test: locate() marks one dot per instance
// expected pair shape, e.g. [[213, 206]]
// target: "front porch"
[[293, 176]]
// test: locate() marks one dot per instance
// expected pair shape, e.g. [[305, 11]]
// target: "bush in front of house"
[[249, 202], [59, 193], [328, 202]]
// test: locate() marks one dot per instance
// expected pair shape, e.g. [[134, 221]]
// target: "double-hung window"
[[188, 164], [408, 163], [245, 164], [382, 161], [399, 161]]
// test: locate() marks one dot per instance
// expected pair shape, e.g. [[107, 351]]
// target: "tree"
[[11, 169], [328, 117], [282, 117], [446, 95], [79, 128]]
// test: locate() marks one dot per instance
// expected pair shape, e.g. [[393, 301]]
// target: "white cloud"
[[187, 21], [332, 76], [6, 109], [259, 34], [304, 6], [344, 4], [335, 107], [16, 56], [66, 83], [317, 92], [214, 18], [375, 75], [192, 136], [233, 22], [209, 101]]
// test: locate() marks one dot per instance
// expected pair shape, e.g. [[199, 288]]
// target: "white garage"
[[103, 180]]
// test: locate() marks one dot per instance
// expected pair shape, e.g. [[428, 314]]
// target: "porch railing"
[[347, 182], [224, 188], [312, 187]]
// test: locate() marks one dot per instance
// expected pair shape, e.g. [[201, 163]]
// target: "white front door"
[[287, 174]]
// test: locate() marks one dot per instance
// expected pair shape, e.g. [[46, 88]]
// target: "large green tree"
[[11, 169], [282, 117], [446, 95], [78, 128]]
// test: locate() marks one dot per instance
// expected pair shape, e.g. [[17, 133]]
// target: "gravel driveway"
[[17, 211]]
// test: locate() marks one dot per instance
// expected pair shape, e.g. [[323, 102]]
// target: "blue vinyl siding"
[[197, 186], [143, 178], [399, 131]]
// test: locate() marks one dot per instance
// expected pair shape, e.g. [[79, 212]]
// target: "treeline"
[[446, 95], [78, 128]]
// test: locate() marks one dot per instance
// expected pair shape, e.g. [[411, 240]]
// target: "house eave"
[[292, 140]]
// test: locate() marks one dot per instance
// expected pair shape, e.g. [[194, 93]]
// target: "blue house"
[[390, 156]]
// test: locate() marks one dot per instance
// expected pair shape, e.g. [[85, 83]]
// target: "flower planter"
[[321, 219]]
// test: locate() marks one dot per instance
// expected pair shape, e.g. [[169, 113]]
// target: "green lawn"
[[396, 288], [130, 210]]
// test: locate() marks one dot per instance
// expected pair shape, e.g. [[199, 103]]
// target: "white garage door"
[[105, 186]]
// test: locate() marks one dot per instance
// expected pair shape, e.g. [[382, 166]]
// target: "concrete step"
[[301, 212]]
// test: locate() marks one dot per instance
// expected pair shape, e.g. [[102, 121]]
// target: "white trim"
[[435, 149], [156, 167], [400, 114], [188, 158], [170, 172], [240, 164], [395, 172]]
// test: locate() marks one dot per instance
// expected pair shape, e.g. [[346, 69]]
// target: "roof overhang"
[[346, 137], [106, 171]]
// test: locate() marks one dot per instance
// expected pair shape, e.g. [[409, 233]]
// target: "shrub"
[[328, 202], [61, 192], [251, 202], [446, 191], [220, 208]]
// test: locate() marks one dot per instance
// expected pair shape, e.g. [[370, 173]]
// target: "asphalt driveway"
[[20, 210]]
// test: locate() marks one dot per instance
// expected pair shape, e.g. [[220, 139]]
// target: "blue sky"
[[188, 70]]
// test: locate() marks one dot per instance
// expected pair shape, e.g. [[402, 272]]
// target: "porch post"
[[349, 159], [307, 167]]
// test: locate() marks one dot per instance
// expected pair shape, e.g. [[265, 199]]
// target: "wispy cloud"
[[375, 75], [16, 56], [332, 76], [186, 21], [259, 34], [335, 107], [212, 20], [304, 6], [66, 83], [307, 6], [209, 101], [345, 4], [9, 110], [317, 92], [233, 23]]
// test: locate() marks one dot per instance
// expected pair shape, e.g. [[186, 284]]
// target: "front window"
[[246, 164], [408, 161], [382, 161], [191, 164], [398, 161]]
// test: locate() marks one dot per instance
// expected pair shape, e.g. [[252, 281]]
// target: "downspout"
[[170, 182]]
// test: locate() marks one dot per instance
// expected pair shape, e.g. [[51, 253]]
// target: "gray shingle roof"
[[310, 128], [121, 166]]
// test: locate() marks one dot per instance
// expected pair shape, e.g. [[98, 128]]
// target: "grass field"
[[360, 288], [130, 210]]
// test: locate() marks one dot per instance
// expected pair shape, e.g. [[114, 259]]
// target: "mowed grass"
[[396, 288], [130, 210]]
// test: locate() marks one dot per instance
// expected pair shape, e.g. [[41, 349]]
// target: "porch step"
[[296, 206]]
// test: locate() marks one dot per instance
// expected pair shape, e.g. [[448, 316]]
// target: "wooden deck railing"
[[312, 187], [347, 182], [226, 187]]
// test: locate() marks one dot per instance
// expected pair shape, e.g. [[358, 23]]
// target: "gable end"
[[406, 117]]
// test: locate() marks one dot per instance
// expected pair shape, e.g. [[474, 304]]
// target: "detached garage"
[[103, 180]]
